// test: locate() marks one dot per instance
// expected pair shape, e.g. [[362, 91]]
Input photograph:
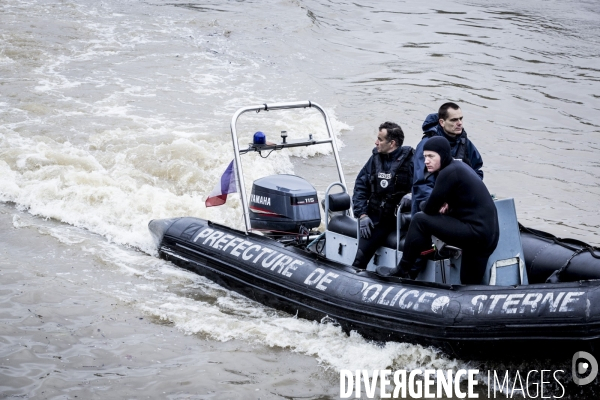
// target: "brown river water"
[[114, 113]]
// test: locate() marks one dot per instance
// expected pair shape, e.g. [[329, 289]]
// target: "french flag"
[[227, 185]]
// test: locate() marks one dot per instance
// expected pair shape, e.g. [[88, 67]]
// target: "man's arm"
[[475, 158], [438, 198], [362, 191], [411, 167]]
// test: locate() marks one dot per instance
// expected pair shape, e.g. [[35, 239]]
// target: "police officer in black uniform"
[[380, 186]]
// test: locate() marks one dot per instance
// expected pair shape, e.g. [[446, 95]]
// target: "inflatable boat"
[[540, 295]]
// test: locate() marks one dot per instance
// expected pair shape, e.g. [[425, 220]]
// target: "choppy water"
[[114, 113]]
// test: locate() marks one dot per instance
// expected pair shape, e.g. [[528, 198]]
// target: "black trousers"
[[367, 247], [453, 232]]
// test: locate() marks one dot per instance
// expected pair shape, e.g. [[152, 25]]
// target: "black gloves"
[[365, 227]]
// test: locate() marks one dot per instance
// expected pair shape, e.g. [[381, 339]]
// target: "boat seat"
[[348, 226], [445, 268], [343, 224], [340, 221], [338, 202], [506, 265]]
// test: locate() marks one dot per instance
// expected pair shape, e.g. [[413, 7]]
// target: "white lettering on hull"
[[249, 251], [524, 303]]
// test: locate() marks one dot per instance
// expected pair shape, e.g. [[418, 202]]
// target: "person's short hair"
[[394, 132], [443, 111]]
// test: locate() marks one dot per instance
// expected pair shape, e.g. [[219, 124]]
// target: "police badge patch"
[[384, 183]]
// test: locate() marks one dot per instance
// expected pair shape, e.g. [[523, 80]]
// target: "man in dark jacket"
[[460, 211], [448, 123], [380, 186]]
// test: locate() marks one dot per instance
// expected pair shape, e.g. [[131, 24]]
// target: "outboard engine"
[[281, 204]]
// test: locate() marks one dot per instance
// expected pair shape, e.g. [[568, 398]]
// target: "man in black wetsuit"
[[380, 186], [460, 211]]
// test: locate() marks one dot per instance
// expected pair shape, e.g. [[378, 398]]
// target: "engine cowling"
[[283, 203]]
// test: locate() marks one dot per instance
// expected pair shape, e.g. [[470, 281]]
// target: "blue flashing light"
[[259, 138]]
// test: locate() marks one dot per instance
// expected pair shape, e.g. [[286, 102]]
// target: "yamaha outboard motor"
[[282, 204]]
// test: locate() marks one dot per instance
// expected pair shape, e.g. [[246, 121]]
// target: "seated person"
[[447, 123], [380, 186], [460, 211]]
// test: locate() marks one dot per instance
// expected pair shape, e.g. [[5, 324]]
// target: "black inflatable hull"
[[545, 253], [539, 320]]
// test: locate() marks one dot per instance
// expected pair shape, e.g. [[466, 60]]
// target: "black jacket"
[[468, 201], [368, 187], [423, 182]]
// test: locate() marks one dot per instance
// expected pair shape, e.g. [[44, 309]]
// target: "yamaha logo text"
[[262, 200]]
